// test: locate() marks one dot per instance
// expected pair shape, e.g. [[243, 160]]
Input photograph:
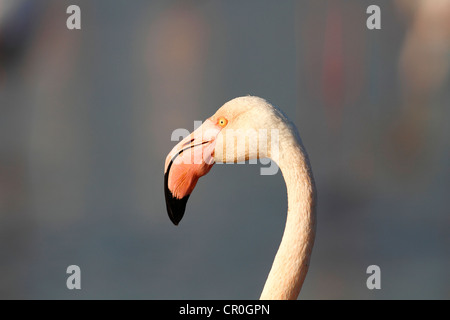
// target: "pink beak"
[[189, 160]]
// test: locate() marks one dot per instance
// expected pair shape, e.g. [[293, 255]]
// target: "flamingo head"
[[218, 139]]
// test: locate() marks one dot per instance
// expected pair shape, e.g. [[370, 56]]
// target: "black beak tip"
[[175, 207]]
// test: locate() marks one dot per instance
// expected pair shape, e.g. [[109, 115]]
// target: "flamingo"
[[194, 156]]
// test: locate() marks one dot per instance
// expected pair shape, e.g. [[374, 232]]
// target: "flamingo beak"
[[189, 160]]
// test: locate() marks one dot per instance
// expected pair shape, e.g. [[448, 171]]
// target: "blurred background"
[[86, 118]]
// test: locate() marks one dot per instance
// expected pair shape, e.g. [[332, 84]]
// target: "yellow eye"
[[222, 122]]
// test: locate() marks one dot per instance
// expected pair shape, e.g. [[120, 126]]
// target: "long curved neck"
[[292, 259]]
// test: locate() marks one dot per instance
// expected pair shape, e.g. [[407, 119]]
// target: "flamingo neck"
[[292, 259]]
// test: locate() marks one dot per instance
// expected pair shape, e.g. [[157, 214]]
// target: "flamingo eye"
[[222, 122]]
